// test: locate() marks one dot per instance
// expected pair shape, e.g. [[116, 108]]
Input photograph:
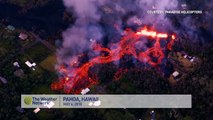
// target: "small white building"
[[85, 91], [30, 65], [175, 74], [190, 58], [36, 110], [3, 80], [23, 36], [16, 64], [10, 27]]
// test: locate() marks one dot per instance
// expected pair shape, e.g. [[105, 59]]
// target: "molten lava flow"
[[152, 34], [75, 79]]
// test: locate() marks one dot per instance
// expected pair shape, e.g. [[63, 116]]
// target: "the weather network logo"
[[28, 100]]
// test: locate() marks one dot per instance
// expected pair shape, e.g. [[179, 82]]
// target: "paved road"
[[47, 44]]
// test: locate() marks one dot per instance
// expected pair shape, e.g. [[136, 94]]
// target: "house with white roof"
[[85, 91], [30, 65], [23, 36]]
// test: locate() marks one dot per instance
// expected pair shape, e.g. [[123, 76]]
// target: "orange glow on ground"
[[126, 46]]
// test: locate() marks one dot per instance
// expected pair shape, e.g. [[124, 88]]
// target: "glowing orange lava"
[[79, 78]]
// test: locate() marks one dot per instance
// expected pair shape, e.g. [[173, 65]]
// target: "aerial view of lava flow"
[[75, 78]]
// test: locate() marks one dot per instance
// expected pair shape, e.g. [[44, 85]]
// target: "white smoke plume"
[[75, 38], [96, 19]]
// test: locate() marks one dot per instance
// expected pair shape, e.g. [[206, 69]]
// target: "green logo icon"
[[28, 100]]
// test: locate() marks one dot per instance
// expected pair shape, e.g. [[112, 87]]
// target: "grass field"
[[49, 63], [38, 52]]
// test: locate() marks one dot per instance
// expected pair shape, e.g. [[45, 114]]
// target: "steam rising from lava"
[[112, 27], [96, 19]]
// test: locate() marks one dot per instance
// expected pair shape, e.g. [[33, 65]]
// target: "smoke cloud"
[[105, 20]]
